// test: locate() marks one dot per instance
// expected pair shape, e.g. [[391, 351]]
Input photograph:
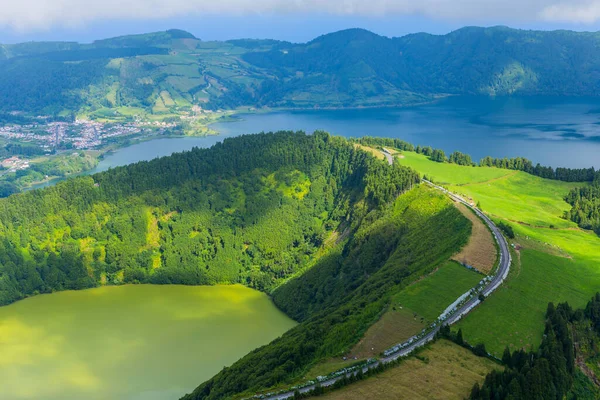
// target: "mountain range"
[[165, 73]]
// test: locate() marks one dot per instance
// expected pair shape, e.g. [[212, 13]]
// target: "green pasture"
[[430, 296], [558, 262]]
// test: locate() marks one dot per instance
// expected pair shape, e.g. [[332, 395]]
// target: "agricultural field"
[[443, 370], [396, 326], [557, 261]]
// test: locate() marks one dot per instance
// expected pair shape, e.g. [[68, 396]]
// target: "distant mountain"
[[164, 73]]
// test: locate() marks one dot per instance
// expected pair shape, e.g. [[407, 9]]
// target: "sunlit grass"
[[449, 173], [559, 262]]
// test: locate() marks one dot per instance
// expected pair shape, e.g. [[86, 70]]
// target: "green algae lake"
[[129, 342]]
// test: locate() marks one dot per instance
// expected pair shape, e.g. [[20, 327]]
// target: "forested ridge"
[[250, 210], [329, 230]]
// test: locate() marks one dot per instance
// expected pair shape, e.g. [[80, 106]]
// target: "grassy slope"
[[429, 297], [441, 371], [422, 302], [514, 315], [450, 173]]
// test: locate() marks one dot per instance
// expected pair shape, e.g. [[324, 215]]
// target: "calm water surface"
[[137, 342], [552, 131]]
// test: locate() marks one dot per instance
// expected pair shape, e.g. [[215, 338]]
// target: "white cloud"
[[27, 15], [586, 12]]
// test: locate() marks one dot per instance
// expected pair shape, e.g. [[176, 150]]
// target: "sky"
[[293, 20]]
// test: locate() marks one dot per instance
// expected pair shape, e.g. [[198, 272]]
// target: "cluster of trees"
[[21, 149], [393, 143], [543, 374], [460, 158], [202, 217], [585, 202], [507, 229], [525, 165], [457, 337]]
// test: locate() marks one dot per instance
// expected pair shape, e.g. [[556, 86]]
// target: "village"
[[81, 134]]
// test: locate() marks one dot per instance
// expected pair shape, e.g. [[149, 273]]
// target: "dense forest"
[[326, 228], [552, 371], [250, 210], [585, 202]]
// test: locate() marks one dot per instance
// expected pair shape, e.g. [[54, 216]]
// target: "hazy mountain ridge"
[[165, 73]]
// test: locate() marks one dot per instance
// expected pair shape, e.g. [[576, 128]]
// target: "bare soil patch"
[[480, 252], [378, 154]]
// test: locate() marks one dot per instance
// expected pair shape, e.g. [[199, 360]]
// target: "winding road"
[[499, 277]]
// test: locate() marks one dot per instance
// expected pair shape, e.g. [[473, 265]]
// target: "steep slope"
[[252, 210], [347, 290]]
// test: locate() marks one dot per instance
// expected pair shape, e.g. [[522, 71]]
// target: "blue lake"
[[560, 132]]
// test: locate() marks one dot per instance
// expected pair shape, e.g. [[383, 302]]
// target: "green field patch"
[[184, 83], [430, 296], [395, 326], [558, 261], [514, 315], [446, 173], [111, 95], [523, 198], [166, 98], [187, 69]]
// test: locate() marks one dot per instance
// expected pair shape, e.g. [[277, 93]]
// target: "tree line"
[[517, 163], [550, 371]]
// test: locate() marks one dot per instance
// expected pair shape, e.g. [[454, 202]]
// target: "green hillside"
[[252, 210], [556, 261], [168, 73]]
